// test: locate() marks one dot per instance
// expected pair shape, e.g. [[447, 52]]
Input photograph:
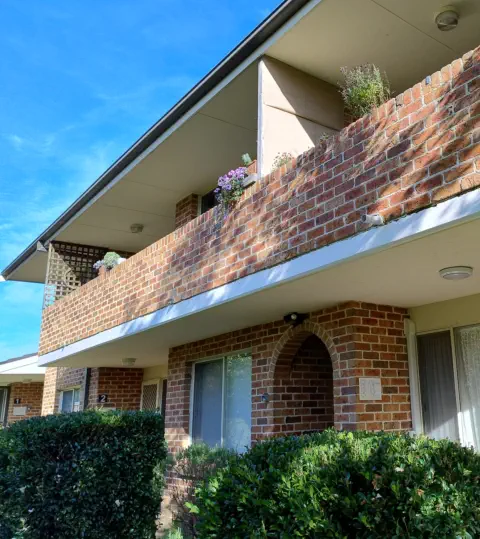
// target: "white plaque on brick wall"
[[370, 389], [19, 410]]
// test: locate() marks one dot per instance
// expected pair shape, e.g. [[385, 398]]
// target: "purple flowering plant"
[[230, 188]]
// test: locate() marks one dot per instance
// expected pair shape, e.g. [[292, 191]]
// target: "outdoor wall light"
[[456, 273], [374, 219], [447, 19], [129, 361], [136, 228], [295, 319]]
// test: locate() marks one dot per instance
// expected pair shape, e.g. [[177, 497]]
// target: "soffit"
[[400, 36]]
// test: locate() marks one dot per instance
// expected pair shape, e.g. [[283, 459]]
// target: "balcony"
[[415, 152]]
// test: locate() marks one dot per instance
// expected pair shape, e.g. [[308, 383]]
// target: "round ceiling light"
[[129, 361], [447, 19], [136, 228], [456, 273]]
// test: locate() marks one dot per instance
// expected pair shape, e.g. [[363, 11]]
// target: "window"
[[70, 400], [154, 393], [3, 405], [208, 201], [222, 402], [449, 375]]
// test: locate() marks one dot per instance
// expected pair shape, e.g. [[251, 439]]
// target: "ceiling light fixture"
[[136, 228], [447, 19], [129, 361], [456, 273]]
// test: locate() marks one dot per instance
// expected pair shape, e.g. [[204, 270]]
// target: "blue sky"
[[80, 82]]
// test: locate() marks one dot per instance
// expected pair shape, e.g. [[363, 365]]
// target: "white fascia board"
[[445, 215], [28, 365]]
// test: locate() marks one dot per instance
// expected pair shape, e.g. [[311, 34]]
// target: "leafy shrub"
[[281, 159], [173, 533], [90, 474], [345, 485], [364, 88], [192, 467]]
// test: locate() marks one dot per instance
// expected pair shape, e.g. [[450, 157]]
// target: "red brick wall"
[[362, 340], [56, 380], [123, 387], [416, 150], [30, 395], [303, 390], [186, 210]]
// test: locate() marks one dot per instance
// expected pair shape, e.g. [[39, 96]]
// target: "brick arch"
[[292, 339], [282, 359]]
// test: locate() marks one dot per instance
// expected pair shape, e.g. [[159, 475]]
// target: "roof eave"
[[239, 54]]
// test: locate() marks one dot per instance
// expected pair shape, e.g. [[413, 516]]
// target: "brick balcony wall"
[[30, 395], [362, 340], [414, 151]]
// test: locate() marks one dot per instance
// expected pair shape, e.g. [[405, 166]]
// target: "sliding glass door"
[[222, 402], [449, 375]]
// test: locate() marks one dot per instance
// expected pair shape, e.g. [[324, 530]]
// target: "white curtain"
[[467, 343], [238, 402]]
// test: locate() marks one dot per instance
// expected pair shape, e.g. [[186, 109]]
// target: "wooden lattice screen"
[[70, 266]]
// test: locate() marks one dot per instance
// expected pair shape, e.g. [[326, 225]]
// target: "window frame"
[[416, 397], [67, 390], [223, 358], [159, 384], [4, 401]]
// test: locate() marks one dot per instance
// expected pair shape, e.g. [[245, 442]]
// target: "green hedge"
[[345, 485], [89, 474]]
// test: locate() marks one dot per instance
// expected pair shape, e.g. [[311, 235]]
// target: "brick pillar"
[[186, 210], [30, 395]]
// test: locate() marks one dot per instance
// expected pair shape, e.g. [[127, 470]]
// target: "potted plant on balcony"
[[229, 189], [364, 87], [108, 262]]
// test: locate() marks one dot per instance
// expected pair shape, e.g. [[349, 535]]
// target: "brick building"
[[342, 289], [21, 388]]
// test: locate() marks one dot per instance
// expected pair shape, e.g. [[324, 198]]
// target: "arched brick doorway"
[[302, 370], [303, 390]]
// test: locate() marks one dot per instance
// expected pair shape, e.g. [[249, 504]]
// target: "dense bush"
[[345, 485], [90, 474], [364, 88], [190, 468]]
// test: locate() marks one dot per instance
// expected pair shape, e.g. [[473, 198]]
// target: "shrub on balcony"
[[345, 485], [89, 474], [281, 159], [109, 261], [364, 88]]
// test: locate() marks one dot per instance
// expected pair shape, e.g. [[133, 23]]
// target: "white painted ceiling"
[[403, 276], [400, 36]]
